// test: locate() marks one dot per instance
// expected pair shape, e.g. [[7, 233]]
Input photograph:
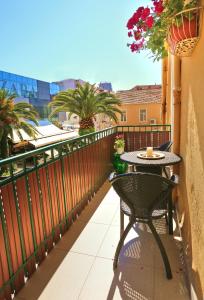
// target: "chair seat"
[[157, 213]]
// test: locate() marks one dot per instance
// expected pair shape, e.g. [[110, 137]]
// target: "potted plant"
[[151, 27], [119, 144]]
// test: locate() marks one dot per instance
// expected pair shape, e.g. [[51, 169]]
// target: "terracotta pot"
[[188, 29], [180, 37]]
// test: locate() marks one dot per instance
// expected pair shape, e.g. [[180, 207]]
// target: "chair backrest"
[[142, 192], [166, 146]]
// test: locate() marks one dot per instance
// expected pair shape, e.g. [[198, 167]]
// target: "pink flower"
[[133, 47], [119, 137], [135, 18], [149, 22], [158, 7], [139, 11], [145, 13], [130, 24], [129, 33], [136, 47]]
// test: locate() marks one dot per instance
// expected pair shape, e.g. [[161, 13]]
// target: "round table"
[[168, 159]]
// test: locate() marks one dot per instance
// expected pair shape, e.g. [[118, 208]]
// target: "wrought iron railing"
[[140, 136], [47, 188]]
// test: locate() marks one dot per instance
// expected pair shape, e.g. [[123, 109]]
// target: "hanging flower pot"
[[174, 21], [184, 32]]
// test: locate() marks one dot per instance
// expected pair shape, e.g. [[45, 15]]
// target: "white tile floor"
[[80, 266]]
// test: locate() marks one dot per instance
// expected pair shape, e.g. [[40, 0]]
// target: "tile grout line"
[[116, 208], [76, 252], [85, 280], [109, 225]]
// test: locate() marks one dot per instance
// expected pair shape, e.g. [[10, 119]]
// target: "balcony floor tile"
[[81, 265], [102, 283], [90, 239], [174, 289], [69, 278]]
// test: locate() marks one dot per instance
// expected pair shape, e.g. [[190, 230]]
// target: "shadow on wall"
[[196, 294], [192, 171]]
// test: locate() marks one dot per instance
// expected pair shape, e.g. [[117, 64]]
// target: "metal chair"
[[165, 147], [143, 196]]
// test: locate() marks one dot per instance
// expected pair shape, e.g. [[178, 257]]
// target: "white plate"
[[156, 155]]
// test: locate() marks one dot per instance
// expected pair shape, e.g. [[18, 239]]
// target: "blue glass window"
[[54, 88]]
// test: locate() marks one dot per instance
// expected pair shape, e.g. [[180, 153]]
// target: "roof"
[[141, 94], [47, 135]]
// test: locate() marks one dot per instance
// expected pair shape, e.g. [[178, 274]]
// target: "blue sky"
[[54, 40]]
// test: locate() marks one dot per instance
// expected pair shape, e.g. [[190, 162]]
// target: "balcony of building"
[[81, 265], [60, 225]]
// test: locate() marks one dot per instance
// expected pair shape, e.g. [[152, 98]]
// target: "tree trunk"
[[86, 126], [4, 151], [86, 123]]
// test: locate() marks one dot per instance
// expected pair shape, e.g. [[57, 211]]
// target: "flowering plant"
[[119, 141], [148, 26]]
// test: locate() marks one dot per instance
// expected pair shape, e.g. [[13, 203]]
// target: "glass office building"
[[36, 92]]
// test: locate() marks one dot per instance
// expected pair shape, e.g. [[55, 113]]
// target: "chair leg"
[[170, 214], [120, 244], [162, 251], [165, 172], [121, 222], [166, 219]]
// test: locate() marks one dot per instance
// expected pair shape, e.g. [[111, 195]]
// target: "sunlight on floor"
[[80, 266]]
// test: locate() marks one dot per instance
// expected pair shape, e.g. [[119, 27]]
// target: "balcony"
[[60, 226]]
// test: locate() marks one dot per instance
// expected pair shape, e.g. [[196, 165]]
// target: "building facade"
[[39, 93], [106, 86], [33, 91], [63, 85], [184, 90], [140, 105]]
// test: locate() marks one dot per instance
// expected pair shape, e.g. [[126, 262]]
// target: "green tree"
[[86, 101], [14, 116]]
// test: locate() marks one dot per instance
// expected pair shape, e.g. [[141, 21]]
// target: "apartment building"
[[140, 105]]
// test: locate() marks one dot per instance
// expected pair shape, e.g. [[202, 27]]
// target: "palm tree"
[[86, 101], [14, 116]]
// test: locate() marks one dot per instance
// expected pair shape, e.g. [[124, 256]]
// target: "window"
[[153, 121], [124, 116], [143, 115]]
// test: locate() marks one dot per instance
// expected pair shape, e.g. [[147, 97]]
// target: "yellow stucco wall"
[[133, 111], [191, 190]]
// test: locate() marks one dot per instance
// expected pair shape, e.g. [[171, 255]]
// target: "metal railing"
[[45, 191], [141, 136]]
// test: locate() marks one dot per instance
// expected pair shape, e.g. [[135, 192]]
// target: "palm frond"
[[86, 102], [29, 129], [15, 115]]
